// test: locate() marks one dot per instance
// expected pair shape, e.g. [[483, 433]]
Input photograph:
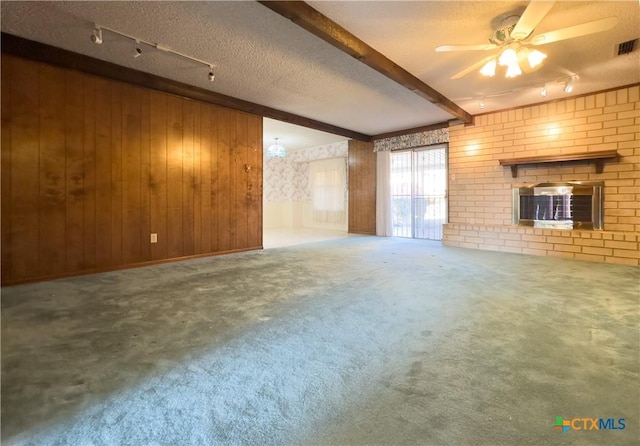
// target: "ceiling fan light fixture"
[[513, 70], [508, 57], [489, 69], [535, 58]]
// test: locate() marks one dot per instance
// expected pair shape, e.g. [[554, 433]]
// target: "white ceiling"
[[294, 137], [264, 58]]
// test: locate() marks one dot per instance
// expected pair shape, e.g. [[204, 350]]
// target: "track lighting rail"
[[96, 38]]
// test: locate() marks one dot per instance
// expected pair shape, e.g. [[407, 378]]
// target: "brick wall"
[[602, 121]]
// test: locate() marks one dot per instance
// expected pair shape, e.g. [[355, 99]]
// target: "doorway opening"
[[304, 192], [419, 192]]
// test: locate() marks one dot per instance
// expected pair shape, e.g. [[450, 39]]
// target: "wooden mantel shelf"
[[597, 157]]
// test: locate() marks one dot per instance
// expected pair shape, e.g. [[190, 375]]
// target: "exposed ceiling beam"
[[321, 26], [30, 49]]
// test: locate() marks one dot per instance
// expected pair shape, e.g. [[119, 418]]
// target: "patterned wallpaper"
[[287, 179], [412, 140]]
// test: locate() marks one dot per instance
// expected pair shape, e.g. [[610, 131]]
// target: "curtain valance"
[[412, 140]]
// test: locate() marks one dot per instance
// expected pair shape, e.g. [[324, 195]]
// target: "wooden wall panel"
[[116, 175], [131, 175], [213, 116], [188, 178], [91, 167], [89, 210], [102, 126], [205, 204], [25, 175], [158, 171], [224, 192], [74, 171], [5, 169], [145, 172], [22, 124], [254, 183], [52, 170], [174, 177], [197, 180], [240, 189], [362, 188]]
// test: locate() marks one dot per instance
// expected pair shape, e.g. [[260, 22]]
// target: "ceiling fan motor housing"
[[502, 35]]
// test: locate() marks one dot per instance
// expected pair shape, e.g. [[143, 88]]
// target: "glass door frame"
[[413, 187]]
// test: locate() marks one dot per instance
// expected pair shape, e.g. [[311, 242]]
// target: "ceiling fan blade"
[[575, 31], [473, 67], [530, 18], [480, 47]]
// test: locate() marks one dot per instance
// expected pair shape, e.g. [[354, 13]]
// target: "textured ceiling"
[[409, 33], [264, 58]]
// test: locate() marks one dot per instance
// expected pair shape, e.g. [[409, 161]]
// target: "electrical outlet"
[[154, 238]]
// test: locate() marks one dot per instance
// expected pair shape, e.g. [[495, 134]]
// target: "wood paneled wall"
[[91, 167], [362, 188]]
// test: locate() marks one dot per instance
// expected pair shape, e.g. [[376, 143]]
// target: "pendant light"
[[276, 150]]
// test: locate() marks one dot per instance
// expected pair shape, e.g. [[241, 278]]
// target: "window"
[[328, 189]]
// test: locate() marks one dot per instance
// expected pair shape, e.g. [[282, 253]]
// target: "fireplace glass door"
[[419, 192]]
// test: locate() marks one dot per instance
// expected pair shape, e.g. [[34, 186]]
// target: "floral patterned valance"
[[412, 140]]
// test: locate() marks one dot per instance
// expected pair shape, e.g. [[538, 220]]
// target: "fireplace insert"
[[571, 205]]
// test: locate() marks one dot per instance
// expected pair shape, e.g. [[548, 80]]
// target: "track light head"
[[96, 36], [211, 75], [568, 86], [543, 91], [138, 50]]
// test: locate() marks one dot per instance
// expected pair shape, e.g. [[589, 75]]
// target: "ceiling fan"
[[514, 37]]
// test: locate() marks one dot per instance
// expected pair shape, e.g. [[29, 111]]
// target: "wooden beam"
[[321, 26], [29, 49]]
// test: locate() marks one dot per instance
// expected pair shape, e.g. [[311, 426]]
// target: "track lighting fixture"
[[551, 87], [96, 36], [138, 50], [568, 86]]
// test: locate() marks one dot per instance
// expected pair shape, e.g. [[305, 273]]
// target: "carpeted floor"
[[362, 340]]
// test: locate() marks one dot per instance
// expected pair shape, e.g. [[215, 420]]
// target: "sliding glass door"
[[419, 192]]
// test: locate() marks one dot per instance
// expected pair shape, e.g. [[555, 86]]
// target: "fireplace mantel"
[[598, 158]]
